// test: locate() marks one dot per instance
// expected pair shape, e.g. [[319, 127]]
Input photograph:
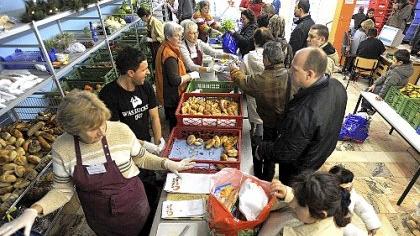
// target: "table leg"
[[391, 130], [409, 186], [358, 103]]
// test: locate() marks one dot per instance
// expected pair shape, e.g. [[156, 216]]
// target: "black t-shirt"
[[131, 108]]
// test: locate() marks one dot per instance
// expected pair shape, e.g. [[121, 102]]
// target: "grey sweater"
[[396, 76]]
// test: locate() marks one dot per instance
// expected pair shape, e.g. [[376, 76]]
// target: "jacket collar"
[[319, 84], [307, 17]]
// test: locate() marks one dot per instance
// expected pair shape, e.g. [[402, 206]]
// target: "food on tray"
[[209, 107], [228, 142], [23, 146]]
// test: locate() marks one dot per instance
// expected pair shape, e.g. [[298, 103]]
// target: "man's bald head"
[[308, 65], [316, 60]]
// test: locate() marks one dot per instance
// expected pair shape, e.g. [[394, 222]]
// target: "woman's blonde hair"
[[80, 111], [367, 24]]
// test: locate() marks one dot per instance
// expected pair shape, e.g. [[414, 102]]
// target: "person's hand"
[[148, 39], [176, 166], [371, 88], [194, 75], [209, 69], [161, 145], [237, 74], [185, 78], [278, 189], [395, 6], [372, 232], [378, 98], [151, 147], [26, 220]]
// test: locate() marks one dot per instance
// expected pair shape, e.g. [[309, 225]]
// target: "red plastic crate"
[[210, 121], [205, 133]]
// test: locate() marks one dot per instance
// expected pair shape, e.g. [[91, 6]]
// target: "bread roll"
[[20, 171], [21, 183], [11, 140], [3, 185], [9, 166], [191, 139], [17, 133], [34, 159], [21, 160], [8, 178], [210, 143], [5, 190], [19, 142], [12, 155], [20, 151]]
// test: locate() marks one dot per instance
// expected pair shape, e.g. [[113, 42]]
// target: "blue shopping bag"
[[355, 128], [229, 43]]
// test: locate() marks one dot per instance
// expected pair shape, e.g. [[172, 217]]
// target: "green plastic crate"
[[95, 72], [415, 122], [391, 96], [211, 86], [84, 73]]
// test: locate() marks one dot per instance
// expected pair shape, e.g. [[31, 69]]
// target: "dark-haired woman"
[[358, 204], [245, 37], [317, 201]]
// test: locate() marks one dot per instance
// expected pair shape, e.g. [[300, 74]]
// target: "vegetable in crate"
[[411, 91], [228, 25]]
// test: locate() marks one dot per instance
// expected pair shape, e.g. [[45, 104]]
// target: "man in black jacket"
[[371, 48], [300, 33], [308, 132]]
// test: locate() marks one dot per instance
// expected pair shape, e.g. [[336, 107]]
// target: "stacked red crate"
[[383, 9]]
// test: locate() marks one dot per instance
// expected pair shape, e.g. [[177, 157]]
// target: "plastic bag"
[[355, 128], [252, 199], [221, 221], [229, 43]]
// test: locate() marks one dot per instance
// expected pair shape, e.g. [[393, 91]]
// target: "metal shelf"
[[28, 26], [27, 93], [66, 69]]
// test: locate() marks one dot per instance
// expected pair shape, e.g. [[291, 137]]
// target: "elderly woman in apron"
[[101, 159], [193, 49]]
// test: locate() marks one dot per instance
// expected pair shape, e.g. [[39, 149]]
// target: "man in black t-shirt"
[[132, 101]]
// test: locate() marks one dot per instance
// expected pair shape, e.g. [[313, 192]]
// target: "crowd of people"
[[296, 108]]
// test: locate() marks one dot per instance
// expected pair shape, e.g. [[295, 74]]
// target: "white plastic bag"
[[252, 199]]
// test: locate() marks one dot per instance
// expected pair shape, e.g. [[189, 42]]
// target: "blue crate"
[[26, 56]]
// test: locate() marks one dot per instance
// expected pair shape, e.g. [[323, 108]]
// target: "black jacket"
[[370, 48], [310, 127], [300, 33], [245, 38], [171, 81]]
